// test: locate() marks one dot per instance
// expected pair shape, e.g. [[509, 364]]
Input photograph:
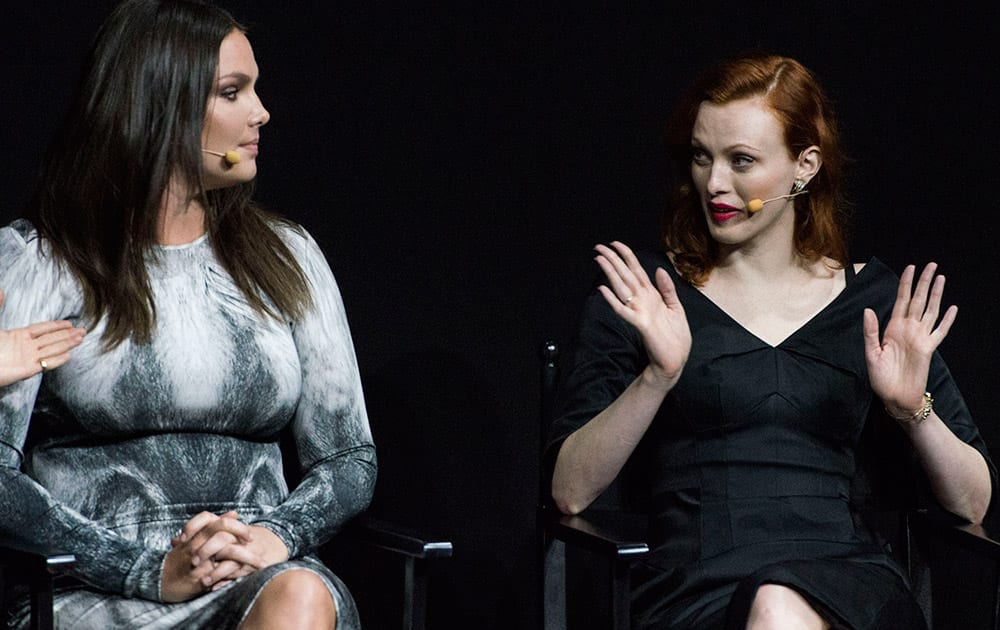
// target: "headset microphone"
[[232, 158], [756, 205]]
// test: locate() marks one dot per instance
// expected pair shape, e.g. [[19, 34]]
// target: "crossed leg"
[[780, 607], [296, 599]]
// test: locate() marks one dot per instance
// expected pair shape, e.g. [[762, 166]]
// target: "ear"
[[809, 162]]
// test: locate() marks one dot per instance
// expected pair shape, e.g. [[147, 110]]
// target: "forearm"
[[331, 493], [958, 475], [592, 456], [103, 558]]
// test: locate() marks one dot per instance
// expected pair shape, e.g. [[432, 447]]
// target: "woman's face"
[[234, 116], [739, 154]]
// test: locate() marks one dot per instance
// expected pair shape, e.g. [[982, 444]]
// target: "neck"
[[181, 220], [771, 259]]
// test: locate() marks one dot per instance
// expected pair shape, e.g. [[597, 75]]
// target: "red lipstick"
[[722, 212]]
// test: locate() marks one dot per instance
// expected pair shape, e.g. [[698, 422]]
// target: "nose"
[[259, 116], [718, 179]]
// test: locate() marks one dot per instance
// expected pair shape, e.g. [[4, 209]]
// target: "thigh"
[[846, 593]]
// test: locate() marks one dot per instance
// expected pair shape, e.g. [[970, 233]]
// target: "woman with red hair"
[[739, 368]]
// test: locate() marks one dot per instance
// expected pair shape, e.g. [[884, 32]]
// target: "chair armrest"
[[605, 533], [35, 560], [964, 570], [397, 539], [953, 531]]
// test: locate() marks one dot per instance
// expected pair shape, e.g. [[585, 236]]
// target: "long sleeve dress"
[[749, 462], [109, 455]]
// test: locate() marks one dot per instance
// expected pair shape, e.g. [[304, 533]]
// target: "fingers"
[[918, 301], [195, 525], [924, 305], [226, 570], [44, 328], [215, 535], [870, 328], [621, 279], [222, 545], [900, 307], [60, 341], [667, 288], [949, 318], [626, 277]]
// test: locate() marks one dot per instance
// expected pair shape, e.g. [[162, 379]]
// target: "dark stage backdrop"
[[458, 164]]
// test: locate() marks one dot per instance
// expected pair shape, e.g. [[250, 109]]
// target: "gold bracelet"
[[919, 415]]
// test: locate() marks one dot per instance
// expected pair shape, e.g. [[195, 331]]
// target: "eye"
[[742, 162], [700, 157], [229, 93]]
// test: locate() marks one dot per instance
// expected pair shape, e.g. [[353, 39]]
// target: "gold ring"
[[45, 366]]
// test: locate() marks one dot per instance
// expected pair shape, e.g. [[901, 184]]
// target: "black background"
[[457, 164]]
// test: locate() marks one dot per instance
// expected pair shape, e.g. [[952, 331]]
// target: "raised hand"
[[27, 351], [653, 309], [898, 364]]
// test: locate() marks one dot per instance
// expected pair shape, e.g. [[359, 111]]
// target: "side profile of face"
[[738, 154], [233, 117]]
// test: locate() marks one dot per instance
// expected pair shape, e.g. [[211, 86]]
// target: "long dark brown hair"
[[136, 122], [795, 97]]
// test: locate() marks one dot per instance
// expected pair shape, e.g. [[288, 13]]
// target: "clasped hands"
[[212, 550]]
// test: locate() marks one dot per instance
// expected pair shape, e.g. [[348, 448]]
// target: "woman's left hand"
[[898, 364]]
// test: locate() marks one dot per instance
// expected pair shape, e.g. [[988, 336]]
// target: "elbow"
[[979, 512], [569, 508], [567, 501]]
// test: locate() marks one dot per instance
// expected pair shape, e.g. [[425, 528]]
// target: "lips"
[[722, 212], [251, 147]]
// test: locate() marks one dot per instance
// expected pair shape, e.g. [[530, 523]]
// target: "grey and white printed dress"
[[111, 454]]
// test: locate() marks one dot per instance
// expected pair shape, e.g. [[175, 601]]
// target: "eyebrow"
[[242, 76], [739, 146]]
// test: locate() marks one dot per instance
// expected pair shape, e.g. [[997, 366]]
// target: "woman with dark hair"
[[214, 327], [742, 375]]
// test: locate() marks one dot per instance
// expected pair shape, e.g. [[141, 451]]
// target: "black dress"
[[751, 457]]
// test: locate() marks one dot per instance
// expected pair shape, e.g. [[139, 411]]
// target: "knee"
[[299, 597], [779, 607], [298, 586]]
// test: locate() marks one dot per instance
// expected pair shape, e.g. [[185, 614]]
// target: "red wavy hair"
[[795, 97]]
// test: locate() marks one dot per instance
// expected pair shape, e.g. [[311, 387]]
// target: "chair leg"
[[996, 601], [414, 594], [41, 605], [621, 588], [553, 590]]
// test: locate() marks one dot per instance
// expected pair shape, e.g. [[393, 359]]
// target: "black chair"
[[34, 571], [954, 567]]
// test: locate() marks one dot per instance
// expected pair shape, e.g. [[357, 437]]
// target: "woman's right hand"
[[654, 310], [219, 538]]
